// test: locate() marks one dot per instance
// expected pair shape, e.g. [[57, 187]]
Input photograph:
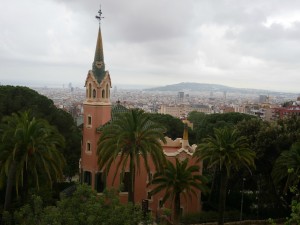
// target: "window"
[[103, 93], [149, 196], [88, 146], [94, 93], [89, 120], [125, 185], [99, 182], [87, 177]]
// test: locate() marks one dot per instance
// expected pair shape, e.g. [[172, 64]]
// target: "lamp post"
[[242, 200]]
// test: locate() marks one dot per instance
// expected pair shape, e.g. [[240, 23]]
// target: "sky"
[[147, 43]]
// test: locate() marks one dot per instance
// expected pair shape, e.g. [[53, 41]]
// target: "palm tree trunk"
[[9, 186], [222, 196], [132, 183], [177, 208]]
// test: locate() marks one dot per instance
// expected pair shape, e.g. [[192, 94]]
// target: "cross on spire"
[[100, 15]]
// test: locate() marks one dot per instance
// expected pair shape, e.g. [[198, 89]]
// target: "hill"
[[203, 87]]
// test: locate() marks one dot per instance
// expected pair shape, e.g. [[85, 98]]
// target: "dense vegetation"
[[264, 195], [83, 207], [19, 99], [252, 165]]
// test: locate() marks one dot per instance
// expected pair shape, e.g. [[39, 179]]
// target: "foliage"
[[29, 152], [287, 166], [131, 137], [19, 99], [204, 125], [268, 140], [84, 207], [174, 126], [178, 180], [226, 151]]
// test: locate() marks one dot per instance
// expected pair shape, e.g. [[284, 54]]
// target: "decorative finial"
[[100, 15]]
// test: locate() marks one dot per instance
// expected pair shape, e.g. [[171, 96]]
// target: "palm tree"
[[287, 167], [131, 137], [178, 180], [28, 153], [226, 151]]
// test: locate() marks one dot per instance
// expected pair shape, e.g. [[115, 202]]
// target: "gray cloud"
[[232, 42]]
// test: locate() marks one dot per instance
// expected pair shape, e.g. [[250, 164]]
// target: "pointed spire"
[[98, 64], [99, 48]]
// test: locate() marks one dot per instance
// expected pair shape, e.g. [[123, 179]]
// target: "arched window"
[[90, 90], [103, 93], [94, 93]]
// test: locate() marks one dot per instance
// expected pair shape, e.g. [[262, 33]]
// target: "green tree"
[[204, 125], [174, 126], [226, 151], [131, 137], [19, 99], [28, 154], [287, 167], [178, 180], [82, 207]]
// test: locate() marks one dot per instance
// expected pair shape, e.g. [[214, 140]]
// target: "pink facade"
[[97, 112]]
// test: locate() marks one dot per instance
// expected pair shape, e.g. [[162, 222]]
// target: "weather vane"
[[100, 15]]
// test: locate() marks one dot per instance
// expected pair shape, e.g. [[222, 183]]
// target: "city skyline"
[[234, 43]]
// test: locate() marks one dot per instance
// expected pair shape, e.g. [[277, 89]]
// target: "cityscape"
[[179, 104]]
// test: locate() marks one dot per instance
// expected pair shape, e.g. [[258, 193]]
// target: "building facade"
[[98, 110]]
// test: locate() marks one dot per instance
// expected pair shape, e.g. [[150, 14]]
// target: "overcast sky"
[[239, 43]]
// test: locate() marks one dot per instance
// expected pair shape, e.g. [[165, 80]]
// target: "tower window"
[[103, 93], [89, 120], [94, 93], [88, 146]]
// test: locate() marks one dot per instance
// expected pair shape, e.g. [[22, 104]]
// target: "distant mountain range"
[[202, 87]]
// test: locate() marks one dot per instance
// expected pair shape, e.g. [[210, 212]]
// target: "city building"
[[97, 111]]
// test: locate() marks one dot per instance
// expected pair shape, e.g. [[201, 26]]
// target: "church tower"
[[97, 112]]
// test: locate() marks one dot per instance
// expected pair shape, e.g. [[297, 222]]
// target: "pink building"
[[98, 110]]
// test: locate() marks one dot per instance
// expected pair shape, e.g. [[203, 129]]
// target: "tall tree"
[[28, 153], [226, 150], [178, 180], [128, 139]]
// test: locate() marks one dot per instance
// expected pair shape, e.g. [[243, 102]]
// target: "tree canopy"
[[19, 99]]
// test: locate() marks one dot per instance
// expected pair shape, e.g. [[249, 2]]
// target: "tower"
[[97, 112]]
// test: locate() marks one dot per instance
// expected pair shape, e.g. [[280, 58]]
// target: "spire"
[[98, 64]]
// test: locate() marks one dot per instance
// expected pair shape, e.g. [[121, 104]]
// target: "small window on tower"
[[103, 93], [89, 121], [94, 93], [88, 146]]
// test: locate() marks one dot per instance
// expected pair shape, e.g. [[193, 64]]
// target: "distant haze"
[[242, 44]]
